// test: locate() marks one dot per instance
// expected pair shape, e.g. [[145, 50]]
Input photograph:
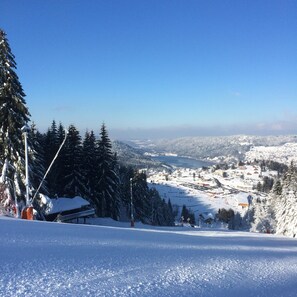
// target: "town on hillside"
[[207, 190]]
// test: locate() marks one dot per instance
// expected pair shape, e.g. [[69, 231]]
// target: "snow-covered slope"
[[207, 190], [220, 148], [51, 259], [285, 153], [131, 156]]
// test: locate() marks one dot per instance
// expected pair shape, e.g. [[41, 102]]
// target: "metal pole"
[[50, 166], [131, 192], [25, 130]]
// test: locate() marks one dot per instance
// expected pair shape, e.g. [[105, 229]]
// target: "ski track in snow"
[[50, 259]]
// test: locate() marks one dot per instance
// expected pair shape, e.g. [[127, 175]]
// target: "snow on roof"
[[57, 205], [207, 215], [242, 197]]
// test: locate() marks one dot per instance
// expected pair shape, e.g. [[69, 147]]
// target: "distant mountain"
[[221, 148], [131, 156]]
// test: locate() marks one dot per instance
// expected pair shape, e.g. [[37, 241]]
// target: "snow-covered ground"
[[198, 189], [283, 153], [52, 259]]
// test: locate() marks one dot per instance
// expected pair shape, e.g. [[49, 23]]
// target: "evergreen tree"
[[141, 198], [235, 222], [267, 184], [90, 166], [286, 204], [148, 207], [125, 175], [171, 211], [108, 202], [162, 214], [259, 187], [168, 214], [59, 167], [225, 215], [277, 189], [263, 217], [37, 161], [50, 148], [278, 212], [13, 116], [73, 179], [188, 216]]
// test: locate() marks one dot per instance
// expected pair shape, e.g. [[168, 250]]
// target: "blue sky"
[[157, 68]]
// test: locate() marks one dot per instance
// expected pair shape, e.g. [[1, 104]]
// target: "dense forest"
[[85, 166]]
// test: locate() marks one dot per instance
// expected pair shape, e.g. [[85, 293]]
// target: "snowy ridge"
[[283, 154], [131, 156], [51, 259], [220, 148]]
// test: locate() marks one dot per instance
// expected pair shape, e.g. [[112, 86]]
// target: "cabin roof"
[[61, 204]]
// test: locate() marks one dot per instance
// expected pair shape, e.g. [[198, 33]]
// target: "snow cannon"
[[27, 213]]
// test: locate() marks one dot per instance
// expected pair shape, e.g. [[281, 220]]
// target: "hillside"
[[131, 156], [220, 148], [51, 259], [285, 153]]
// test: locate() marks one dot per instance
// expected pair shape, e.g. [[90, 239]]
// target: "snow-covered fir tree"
[[187, 216], [50, 147], [141, 198], [73, 179], [14, 115], [162, 214], [90, 166], [59, 165], [108, 201], [278, 212], [263, 220], [286, 204], [37, 161], [92, 171]]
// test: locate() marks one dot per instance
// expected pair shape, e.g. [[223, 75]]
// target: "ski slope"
[[52, 259]]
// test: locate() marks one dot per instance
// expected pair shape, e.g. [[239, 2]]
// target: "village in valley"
[[206, 190]]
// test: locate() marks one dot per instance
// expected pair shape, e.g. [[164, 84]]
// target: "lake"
[[183, 162]]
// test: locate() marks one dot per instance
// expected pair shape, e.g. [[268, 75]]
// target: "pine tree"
[[236, 222], [286, 205], [188, 216], [37, 161], [278, 213], [59, 165], [108, 203], [277, 188], [50, 147], [13, 116], [141, 198], [263, 217], [168, 215], [125, 175], [73, 180], [248, 217], [90, 166], [160, 210]]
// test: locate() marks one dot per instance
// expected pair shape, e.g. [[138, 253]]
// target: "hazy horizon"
[[157, 68]]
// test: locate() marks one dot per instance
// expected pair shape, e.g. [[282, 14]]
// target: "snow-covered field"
[[52, 259], [201, 194]]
